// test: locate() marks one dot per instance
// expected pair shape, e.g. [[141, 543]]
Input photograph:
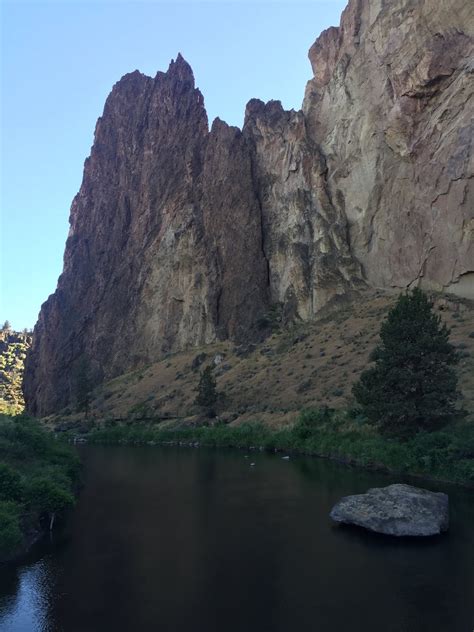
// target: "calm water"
[[194, 540]]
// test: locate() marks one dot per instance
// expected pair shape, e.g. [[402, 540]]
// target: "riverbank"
[[38, 478], [446, 455]]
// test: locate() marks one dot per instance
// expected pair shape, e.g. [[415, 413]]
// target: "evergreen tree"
[[207, 393], [412, 385], [84, 385], [6, 326]]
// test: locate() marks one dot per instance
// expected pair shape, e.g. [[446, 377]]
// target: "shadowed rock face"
[[180, 235], [165, 246], [304, 233]]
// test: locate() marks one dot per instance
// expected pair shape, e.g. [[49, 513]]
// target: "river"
[[171, 540]]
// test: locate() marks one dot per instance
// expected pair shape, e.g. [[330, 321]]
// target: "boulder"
[[400, 510]]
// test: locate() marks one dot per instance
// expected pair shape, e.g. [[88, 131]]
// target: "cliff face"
[[391, 107], [181, 236], [165, 246], [304, 233]]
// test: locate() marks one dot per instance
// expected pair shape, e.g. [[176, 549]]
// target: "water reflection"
[[174, 540], [26, 598]]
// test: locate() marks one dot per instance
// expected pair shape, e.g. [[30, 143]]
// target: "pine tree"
[[412, 385], [207, 393], [84, 385]]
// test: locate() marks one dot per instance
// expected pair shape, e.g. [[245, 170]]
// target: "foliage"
[[310, 420], [47, 496], [446, 455], [10, 531], [11, 488], [84, 385], [412, 386], [13, 350], [207, 393], [38, 475]]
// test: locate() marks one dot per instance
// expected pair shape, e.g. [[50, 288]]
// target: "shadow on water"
[[189, 540]]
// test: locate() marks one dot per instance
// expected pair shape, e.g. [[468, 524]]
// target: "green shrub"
[[11, 488], [47, 496], [10, 532], [37, 476], [310, 420]]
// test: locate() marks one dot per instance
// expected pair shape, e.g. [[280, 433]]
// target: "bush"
[[310, 420], [37, 477], [10, 532], [11, 488], [47, 496]]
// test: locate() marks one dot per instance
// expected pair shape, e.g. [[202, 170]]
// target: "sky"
[[59, 61]]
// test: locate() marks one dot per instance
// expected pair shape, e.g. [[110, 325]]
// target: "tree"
[[207, 393], [84, 385], [10, 532], [412, 385], [11, 488], [6, 326], [48, 497]]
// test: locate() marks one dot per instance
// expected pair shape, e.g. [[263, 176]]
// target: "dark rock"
[[243, 351], [400, 510], [198, 360]]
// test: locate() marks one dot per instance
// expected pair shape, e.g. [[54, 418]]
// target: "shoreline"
[[369, 453]]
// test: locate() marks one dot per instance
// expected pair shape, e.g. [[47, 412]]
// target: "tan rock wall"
[[391, 106]]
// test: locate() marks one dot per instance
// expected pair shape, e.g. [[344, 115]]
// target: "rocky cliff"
[[391, 107], [181, 235], [13, 350]]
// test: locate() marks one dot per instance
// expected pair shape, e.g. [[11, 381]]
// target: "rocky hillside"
[[13, 350], [182, 236], [308, 365]]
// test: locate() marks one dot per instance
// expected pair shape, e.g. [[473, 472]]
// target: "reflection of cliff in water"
[[169, 539]]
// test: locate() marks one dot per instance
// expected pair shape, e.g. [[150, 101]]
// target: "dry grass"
[[310, 365]]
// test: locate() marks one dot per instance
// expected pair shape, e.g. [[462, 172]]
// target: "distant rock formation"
[[13, 349], [180, 235]]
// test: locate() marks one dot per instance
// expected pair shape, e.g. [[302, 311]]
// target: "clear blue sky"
[[59, 62]]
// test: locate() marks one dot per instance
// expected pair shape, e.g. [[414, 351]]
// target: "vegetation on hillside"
[[412, 386], [445, 455], [206, 391], [38, 474], [405, 399], [307, 365], [13, 350], [83, 385]]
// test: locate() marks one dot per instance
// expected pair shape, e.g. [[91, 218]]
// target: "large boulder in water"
[[400, 510]]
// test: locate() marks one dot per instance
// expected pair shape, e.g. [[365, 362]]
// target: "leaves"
[[207, 393], [412, 385]]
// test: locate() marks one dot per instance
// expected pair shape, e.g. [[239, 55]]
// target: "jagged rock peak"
[[180, 69], [181, 236]]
